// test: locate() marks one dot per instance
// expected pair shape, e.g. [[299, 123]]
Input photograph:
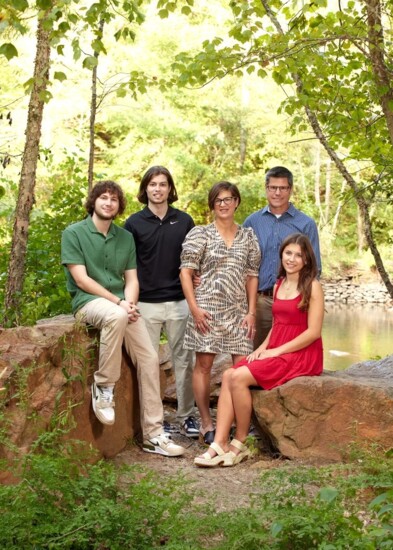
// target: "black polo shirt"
[[158, 247]]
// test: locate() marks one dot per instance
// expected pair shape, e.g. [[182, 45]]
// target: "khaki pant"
[[263, 319], [173, 317], [115, 330]]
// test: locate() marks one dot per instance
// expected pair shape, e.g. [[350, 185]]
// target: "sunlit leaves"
[[90, 62], [8, 50], [45, 96], [20, 5], [165, 7], [44, 4], [59, 75]]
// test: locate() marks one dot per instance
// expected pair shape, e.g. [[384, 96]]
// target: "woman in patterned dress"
[[292, 348], [222, 307]]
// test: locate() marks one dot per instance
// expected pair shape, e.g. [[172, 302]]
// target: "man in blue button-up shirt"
[[272, 224]]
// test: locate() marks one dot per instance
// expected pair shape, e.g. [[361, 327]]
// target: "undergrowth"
[[63, 501]]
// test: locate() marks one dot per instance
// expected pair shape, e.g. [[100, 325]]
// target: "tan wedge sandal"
[[222, 458], [242, 455]]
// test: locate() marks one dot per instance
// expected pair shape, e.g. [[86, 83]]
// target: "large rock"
[[45, 374], [322, 417], [309, 417]]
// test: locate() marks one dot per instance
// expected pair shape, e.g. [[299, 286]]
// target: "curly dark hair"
[[308, 272], [222, 186], [146, 178], [105, 186]]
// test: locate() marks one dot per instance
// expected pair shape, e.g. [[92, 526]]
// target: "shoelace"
[[106, 394]]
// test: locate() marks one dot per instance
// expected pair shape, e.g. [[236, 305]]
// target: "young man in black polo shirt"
[[159, 231]]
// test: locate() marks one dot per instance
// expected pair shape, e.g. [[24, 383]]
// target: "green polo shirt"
[[106, 258]]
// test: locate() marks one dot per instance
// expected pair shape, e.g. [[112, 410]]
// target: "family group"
[[251, 291]]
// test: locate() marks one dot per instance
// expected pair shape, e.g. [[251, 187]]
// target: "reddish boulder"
[[321, 417], [45, 377]]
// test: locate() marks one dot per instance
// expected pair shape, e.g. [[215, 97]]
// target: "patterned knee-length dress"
[[222, 291]]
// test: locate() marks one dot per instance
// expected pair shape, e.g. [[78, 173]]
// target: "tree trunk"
[[381, 73], [93, 112], [25, 202], [327, 191], [313, 120]]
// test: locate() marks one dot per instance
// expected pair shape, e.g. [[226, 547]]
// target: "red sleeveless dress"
[[288, 322]]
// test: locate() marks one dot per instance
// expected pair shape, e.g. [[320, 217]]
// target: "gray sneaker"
[[162, 445], [103, 403]]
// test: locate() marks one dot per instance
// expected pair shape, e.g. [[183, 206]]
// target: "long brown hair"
[[308, 272]]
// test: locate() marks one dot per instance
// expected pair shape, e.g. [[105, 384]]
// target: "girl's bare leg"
[[241, 380]]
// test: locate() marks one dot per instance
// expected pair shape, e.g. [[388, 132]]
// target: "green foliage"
[[66, 503], [59, 203], [63, 501]]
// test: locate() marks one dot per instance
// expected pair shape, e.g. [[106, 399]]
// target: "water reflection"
[[356, 332]]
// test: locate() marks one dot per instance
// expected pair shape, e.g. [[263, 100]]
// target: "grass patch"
[[65, 502]]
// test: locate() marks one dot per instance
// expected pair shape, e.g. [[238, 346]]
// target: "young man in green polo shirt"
[[100, 264]]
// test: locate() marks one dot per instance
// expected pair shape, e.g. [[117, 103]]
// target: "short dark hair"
[[220, 186], [105, 186], [279, 172], [156, 171]]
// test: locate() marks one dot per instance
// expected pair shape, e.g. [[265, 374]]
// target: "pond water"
[[356, 332]]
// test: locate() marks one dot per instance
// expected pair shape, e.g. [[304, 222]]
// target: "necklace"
[[287, 285]]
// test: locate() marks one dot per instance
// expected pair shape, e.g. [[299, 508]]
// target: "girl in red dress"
[[292, 348]]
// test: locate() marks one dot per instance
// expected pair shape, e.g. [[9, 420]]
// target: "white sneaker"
[[103, 403], [163, 445]]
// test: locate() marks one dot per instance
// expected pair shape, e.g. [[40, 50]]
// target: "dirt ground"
[[227, 488]]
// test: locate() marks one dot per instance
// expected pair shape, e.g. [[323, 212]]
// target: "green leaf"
[[276, 528], [44, 4], [45, 96], [59, 75], [98, 46], [328, 494], [121, 92], [20, 5], [8, 50], [90, 62], [63, 27]]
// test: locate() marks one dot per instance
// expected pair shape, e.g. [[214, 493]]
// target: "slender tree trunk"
[[381, 73], [25, 202], [93, 112], [327, 190], [338, 209], [313, 120], [317, 185]]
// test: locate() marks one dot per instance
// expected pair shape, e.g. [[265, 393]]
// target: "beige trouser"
[[263, 319], [173, 317], [115, 330]]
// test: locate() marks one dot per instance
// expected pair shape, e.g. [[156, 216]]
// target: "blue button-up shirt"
[[271, 231]]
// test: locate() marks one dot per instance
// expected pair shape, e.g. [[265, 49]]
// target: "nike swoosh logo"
[[177, 221]]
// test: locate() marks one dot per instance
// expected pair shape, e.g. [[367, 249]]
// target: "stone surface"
[[321, 417], [309, 417], [349, 290], [55, 360]]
